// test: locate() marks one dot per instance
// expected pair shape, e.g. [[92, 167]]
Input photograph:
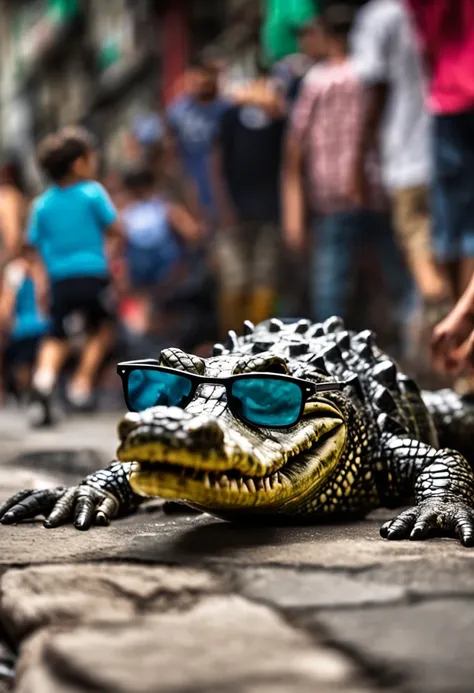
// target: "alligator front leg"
[[442, 484], [102, 496], [453, 417]]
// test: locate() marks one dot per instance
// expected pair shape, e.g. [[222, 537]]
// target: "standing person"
[[68, 226], [22, 324], [447, 34], [193, 121], [12, 208], [321, 149], [292, 69], [155, 230], [246, 179], [446, 30], [385, 52]]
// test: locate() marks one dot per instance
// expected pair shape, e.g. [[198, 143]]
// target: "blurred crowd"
[[338, 181]]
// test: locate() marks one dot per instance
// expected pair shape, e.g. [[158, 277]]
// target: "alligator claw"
[[26, 505], [83, 504], [102, 496], [431, 517]]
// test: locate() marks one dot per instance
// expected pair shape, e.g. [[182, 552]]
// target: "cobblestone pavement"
[[188, 603]]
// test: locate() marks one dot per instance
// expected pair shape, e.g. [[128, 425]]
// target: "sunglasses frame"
[[308, 388]]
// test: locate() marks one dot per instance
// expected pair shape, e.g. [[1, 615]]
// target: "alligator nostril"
[[127, 424], [207, 434]]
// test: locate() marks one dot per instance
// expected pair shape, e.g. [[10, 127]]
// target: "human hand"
[[357, 192], [295, 240], [452, 344], [228, 218], [42, 297]]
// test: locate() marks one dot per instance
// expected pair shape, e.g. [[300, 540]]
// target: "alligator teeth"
[[207, 481], [225, 481], [243, 487], [260, 485], [233, 485], [251, 486], [275, 480], [268, 486]]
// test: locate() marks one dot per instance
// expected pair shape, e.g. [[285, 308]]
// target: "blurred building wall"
[[102, 62]]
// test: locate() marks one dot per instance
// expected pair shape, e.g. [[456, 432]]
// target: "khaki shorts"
[[411, 216], [247, 256]]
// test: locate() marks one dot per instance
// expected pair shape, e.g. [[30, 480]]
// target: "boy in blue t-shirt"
[[68, 226]]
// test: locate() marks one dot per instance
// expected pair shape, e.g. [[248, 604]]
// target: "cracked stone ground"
[[188, 603]]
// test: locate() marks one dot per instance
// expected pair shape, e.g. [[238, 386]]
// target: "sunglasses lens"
[[267, 401], [150, 388]]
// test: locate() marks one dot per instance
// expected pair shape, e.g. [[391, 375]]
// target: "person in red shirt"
[[446, 32]]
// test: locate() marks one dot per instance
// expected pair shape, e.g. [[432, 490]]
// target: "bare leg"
[[466, 272], [412, 225], [92, 357], [51, 359]]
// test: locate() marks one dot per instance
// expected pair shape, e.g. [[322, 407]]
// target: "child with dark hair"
[[22, 323], [68, 226], [153, 230]]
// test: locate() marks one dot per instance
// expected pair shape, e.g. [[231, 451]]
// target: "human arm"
[[292, 194], [12, 213], [13, 278], [452, 344], [37, 268], [261, 94], [292, 176], [371, 49], [109, 221], [175, 169], [184, 223], [226, 212]]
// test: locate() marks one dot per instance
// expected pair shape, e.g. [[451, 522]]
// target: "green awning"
[[282, 18]]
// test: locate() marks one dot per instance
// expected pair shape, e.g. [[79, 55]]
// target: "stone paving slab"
[[43, 596], [222, 643], [290, 588], [391, 614], [424, 646]]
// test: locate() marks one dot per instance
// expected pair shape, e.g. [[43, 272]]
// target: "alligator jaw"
[[231, 490]]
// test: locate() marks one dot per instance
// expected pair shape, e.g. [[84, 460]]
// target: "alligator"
[[367, 438]]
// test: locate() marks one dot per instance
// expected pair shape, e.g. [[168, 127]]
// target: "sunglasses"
[[259, 399]]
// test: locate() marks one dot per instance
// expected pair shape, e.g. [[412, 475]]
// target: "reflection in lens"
[[150, 388], [268, 401]]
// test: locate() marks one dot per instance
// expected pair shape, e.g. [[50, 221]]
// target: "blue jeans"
[[338, 241], [453, 186]]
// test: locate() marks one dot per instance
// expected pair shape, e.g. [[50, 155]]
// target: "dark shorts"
[[453, 186], [22, 352], [80, 304]]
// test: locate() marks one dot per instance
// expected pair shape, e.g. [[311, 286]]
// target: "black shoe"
[[39, 411]]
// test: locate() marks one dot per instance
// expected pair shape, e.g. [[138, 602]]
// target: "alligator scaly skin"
[[400, 446]]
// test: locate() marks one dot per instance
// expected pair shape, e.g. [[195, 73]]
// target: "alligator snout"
[[171, 427]]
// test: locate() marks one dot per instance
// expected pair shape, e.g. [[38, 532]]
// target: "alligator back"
[[390, 398]]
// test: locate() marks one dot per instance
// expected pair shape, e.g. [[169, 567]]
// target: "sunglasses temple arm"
[[327, 387]]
